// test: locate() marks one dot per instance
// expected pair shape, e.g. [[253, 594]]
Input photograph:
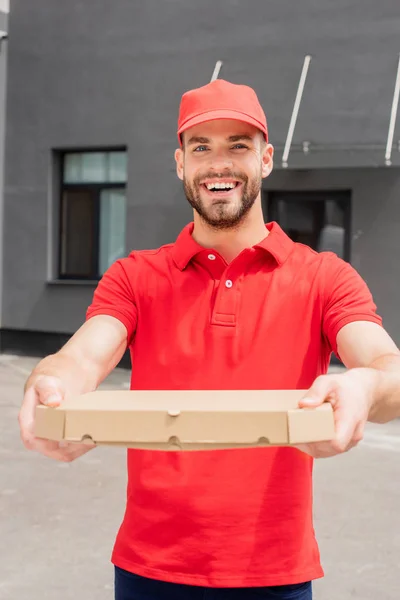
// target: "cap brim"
[[214, 115]]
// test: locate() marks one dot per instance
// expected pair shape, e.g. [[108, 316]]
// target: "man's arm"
[[363, 345], [88, 357], [79, 367], [369, 390]]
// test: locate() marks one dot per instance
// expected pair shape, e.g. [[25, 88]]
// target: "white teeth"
[[220, 186]]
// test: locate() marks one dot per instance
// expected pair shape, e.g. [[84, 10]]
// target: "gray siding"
[[85, 74], [3, 73]]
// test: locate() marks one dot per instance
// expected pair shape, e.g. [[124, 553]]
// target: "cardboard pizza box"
[[186, 420]]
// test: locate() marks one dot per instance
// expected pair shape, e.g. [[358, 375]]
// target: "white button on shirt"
[[228, 283], [211, 257]]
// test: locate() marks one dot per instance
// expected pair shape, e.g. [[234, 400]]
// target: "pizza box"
[[186, 419]]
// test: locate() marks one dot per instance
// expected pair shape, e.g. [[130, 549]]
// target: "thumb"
[[322, 389], [50, 391], [349, 427]]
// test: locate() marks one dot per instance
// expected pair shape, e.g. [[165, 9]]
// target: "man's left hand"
[[351, 395]]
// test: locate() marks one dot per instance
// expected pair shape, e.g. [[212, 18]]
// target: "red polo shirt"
[[267, 320]]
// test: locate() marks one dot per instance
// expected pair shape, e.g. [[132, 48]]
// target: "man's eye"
[[200, 148], [239, 146]]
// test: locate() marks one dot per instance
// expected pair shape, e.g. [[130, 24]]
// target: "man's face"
[[222, 164]]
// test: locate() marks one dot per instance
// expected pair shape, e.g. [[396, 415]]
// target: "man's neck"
[[229, 243]]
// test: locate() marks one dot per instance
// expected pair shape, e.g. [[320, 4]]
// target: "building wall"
[[83, 74], [3, 72]]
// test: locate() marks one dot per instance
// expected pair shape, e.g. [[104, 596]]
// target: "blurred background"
[[89, 96]]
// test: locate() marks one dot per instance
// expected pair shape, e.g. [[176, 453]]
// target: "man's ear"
[[267, 160], [179, 162]]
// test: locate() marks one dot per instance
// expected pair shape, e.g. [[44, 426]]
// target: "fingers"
[[45, 390], [71, 451], [349, 429], [50, 391], [350, 414], [77, 450], [26, 416], [323, 389], [319, 449], [348, 436], [64, 452]]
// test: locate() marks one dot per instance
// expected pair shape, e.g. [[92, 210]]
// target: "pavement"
[[58, 521]]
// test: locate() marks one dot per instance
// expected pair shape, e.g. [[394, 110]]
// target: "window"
[[319, 219], [93, 212]]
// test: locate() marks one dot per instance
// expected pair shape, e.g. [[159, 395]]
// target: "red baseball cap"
[[221, 99]]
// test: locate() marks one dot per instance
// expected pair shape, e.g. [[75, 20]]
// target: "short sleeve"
[[114, 297], [346, 298]]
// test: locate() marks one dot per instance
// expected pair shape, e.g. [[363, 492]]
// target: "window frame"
[[95, 189], [321, 195]]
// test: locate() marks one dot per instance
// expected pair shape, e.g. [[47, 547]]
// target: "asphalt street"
[[58, 521]]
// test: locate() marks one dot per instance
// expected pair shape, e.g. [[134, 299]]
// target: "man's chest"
[[239, 332]]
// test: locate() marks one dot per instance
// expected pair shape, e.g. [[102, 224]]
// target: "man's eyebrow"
[[198, 140], [242, 137]]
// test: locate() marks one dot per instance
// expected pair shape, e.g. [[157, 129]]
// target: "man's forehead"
[[221, 128], [201, 139]]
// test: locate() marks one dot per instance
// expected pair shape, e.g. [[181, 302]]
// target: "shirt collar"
[[276, 243], [185, 247]]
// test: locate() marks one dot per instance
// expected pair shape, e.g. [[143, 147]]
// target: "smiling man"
[[232, 304], [222, 199]]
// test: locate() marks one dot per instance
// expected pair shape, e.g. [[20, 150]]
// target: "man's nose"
[[220, 161]]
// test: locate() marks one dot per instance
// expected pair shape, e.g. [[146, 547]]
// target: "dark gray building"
[[92, 101], [3, 71]]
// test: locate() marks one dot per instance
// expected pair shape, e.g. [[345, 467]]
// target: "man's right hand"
[[50, 392]]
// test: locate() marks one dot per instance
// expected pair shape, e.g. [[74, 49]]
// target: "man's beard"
[[220, 215]]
